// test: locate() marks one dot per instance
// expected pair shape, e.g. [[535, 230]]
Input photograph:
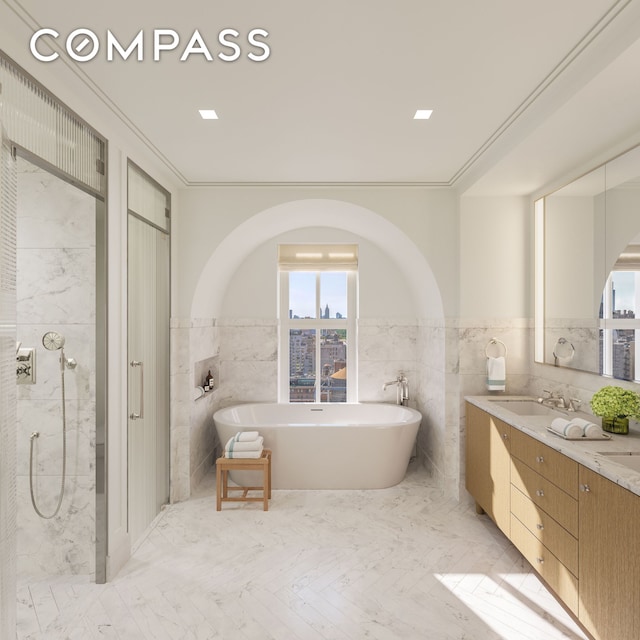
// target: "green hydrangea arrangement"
[[612, 402]]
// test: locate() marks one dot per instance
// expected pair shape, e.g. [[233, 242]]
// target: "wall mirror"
[[588, 271]]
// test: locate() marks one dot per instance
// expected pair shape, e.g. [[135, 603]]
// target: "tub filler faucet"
[[402, 389]]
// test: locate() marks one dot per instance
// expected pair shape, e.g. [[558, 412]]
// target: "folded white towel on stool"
[[243, 454], [246, 436], [496, 374], [239, 445], [567, 428]]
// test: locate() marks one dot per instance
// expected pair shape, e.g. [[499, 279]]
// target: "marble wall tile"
[[180, 350], [246, 381], [52, 213], [56, 291], [248, 343], [204, 340], [180, 487], [387, 341], [60, 281], [45, 417], [63, 544]]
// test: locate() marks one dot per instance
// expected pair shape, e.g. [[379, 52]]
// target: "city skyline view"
[[302, 294]]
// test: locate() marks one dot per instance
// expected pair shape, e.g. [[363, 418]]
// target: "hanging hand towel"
[[496, 374]]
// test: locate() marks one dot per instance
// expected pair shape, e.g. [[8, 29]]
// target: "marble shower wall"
[[56, 292]]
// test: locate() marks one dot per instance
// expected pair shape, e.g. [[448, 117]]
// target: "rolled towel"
[[235, 445], [243, 454], [567, 428], [589, 429], [496, 374], [246, 436]]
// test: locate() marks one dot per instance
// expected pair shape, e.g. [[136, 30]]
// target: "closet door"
[[148, 358]]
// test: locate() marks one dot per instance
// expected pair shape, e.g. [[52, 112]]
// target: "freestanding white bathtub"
[[327, 446]]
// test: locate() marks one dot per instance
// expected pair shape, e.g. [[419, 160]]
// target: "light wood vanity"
[[577, 528]]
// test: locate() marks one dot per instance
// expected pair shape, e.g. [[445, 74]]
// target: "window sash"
[[319, 324]]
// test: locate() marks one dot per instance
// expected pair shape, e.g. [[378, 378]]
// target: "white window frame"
[[286, 324], [608, 323]]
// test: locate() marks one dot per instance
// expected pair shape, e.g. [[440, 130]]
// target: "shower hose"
[[35, 435]]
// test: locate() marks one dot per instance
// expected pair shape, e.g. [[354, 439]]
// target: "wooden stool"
[[224, 465]]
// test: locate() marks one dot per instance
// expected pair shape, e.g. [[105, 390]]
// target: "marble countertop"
[[588, 453]]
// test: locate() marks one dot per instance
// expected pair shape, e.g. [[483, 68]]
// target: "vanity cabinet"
[[577, 529], [488, 461], [544, 513], [609, 558]]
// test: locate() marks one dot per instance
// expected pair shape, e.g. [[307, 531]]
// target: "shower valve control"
[[26, 365]]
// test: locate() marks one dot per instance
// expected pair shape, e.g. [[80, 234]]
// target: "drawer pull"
[[540, 527], [540, 493], [585, 488], [504, 436], [539, 458], [540, 560]]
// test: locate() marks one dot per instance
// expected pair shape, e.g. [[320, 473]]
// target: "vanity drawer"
[[558, 504], [557, 576], [552, 464], [554, 537]]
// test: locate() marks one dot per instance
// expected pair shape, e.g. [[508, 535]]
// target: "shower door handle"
[[140, 414]]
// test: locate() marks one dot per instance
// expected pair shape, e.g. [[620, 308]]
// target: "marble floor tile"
[[399, 563]]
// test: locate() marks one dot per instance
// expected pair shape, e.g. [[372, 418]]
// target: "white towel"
[[243, 454], [576, 428], [496, 374], [239, 445], [567, 428], [589, 429], [246, 436]]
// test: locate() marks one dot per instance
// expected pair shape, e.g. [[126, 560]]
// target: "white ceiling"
[[519, 89]]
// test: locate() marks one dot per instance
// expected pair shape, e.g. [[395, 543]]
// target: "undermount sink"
[[528, 408], [630, 459]]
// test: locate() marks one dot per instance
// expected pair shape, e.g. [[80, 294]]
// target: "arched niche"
[[248, 236]]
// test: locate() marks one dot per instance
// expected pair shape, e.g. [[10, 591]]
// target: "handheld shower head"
[[52, 341]]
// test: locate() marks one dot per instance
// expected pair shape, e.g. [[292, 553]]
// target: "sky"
[[302, 293]]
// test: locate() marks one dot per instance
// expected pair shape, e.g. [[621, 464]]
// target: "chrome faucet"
[[402, 389], [554, 399]]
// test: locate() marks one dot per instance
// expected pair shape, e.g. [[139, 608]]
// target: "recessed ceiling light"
[[208, 114], [423, 114]]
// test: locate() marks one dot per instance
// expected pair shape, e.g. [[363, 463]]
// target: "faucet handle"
[[574, 404]]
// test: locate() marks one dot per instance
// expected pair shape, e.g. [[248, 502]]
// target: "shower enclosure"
[[52, 281], [56, 301]]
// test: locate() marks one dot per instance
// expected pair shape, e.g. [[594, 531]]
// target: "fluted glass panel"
[[146, 198], [37, 121], [8, 506]]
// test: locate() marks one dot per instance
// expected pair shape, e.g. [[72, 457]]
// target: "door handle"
[[140, 414]]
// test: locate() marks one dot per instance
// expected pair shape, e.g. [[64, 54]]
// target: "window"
[[317, 356], [620, 324]]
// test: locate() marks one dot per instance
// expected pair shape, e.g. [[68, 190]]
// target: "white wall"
[[208, 216], [383, 291], [495, 256]]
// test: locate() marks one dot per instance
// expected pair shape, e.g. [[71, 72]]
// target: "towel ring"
[[496, 342], [563, 349]]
